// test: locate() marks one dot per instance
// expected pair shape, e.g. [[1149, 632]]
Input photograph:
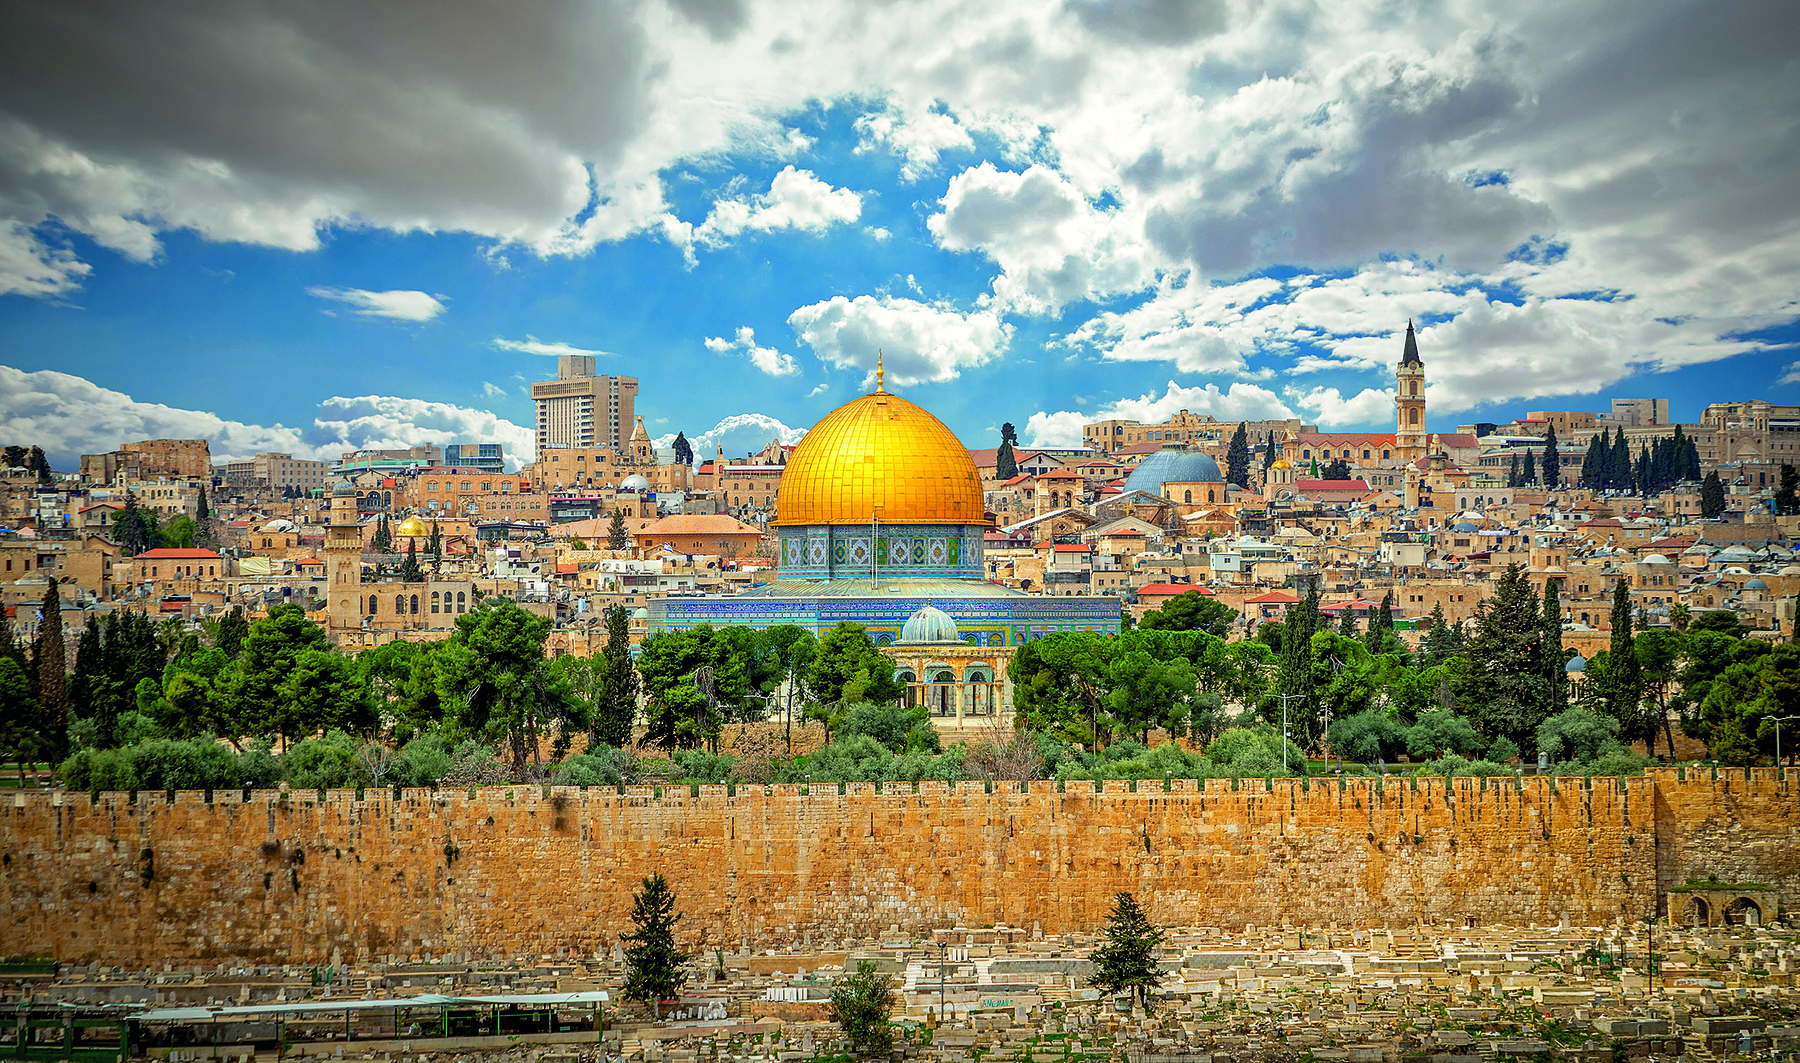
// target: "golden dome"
[[413, 526], [1281, 463], [880, 457]]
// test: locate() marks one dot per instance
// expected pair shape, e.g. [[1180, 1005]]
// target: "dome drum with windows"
[[880, 489]]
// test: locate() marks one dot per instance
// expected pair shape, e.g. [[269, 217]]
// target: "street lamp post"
[[1284, 727], [1778, 721]]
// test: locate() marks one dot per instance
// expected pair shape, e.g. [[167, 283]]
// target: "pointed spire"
[[1409, 355], [879, 372]]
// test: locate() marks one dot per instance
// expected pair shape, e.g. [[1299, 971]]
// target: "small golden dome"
[[413, 526], [880, 457], [1281, 463]]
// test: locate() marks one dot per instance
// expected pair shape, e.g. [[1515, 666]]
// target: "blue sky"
[[1041, 214]]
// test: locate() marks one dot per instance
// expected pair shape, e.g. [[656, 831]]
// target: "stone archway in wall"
[[1695, 905]]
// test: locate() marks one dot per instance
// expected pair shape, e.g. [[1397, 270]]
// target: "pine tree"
[[52, 676], [410, 572], [1552, 461], [653, 965], [1507, 692], [1294, 671], [1237, 457], [1646, 477], [1712, 496], [436, 544], [1347, 623], [1555, 664], [1127, 962], [1512, 471], [616, 538], [615, 699], [1268, 458], [1589, 477], [1530, 477], [1440, 643], [383, 539]]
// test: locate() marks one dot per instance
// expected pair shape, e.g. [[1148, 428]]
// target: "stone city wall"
[[521, 871]]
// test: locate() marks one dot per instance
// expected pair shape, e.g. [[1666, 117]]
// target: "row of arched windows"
[[942, 695], [405, 604]]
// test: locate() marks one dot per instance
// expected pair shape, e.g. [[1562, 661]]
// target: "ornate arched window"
[[399, 604], [434, 601]]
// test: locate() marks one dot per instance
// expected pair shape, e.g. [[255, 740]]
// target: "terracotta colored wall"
[[532, 874]]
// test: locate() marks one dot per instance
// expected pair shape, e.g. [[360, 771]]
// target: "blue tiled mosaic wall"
[[891, 551]]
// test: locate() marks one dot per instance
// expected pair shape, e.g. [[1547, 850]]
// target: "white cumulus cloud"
[[765, 359], [532, 345], [919, 342], [796, 199], [397, 305], [738, 434], [1240, 402], [69, 416]]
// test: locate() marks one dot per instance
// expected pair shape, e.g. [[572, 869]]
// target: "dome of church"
[[929, 624], [634, 482], [1281, 463], [413, 526], [879, 457], [1174, 463], [1577, 663], [343, 489], [1755, 585], [1656, 559]]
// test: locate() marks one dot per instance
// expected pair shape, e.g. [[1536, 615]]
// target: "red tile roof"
[[1273, 598], [1072, 548]]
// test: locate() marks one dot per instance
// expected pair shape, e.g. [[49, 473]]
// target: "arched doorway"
[[1743, 912], [1697, 913], [941, 694]]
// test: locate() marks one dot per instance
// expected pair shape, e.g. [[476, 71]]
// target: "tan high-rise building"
[[580, 409]]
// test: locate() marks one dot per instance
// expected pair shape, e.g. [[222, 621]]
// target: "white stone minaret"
[[1410, 439]]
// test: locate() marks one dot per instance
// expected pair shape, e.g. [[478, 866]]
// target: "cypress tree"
[[1623, 689], [1512, 471], [1555, 664], [1646, 477], [1712, 496], [1237, 457], [653, 965], [1621, 462], [436, 545], [1006, 466], [410, 572], [1269, 451], [615, 701], [1530, 476], [1347, 623], [1787, 500], [52, 676], [616, 538], [84, 682], [1552, 461]]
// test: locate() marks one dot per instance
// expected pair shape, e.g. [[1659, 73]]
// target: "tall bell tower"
[[343, 567], [1410, 440]]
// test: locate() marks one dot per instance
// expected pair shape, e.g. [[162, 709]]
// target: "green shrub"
[[98, 769], [198, 764], [424, 761], [258, 768], [321, 763], [601, 765]]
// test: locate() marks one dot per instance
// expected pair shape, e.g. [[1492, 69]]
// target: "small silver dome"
[[343, 489], [634, 482], [929, 624], [1174, 463], [1577, 663], [1755, 585]]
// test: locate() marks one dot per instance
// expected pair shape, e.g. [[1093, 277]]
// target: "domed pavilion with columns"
[[880, 522]]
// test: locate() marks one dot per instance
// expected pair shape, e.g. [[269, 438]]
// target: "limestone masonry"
[[522, 870]]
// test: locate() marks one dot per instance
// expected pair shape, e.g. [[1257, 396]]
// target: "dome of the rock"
[[413, 526], [879, 458]]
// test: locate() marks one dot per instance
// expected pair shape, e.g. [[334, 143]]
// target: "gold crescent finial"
[[879, 372]]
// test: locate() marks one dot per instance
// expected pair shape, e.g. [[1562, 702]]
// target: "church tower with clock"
[[1410, 440]]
